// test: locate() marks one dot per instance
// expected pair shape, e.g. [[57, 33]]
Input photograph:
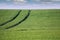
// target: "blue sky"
[[29, 4]]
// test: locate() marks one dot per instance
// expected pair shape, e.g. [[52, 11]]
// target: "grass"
[[40, 25]]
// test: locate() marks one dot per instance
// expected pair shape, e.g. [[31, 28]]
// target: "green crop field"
[[30, 24]]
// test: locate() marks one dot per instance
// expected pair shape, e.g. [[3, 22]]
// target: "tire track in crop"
[[20, 21], [11, 19]]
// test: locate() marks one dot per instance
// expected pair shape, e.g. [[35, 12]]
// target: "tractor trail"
[[20, 21], [11, 19]]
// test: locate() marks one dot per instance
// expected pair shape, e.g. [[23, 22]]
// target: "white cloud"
[[37, 0], [55, 0], [8, 0], [19, 0]]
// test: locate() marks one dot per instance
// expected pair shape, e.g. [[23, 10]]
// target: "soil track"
[[20, 21], [11, 19]]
